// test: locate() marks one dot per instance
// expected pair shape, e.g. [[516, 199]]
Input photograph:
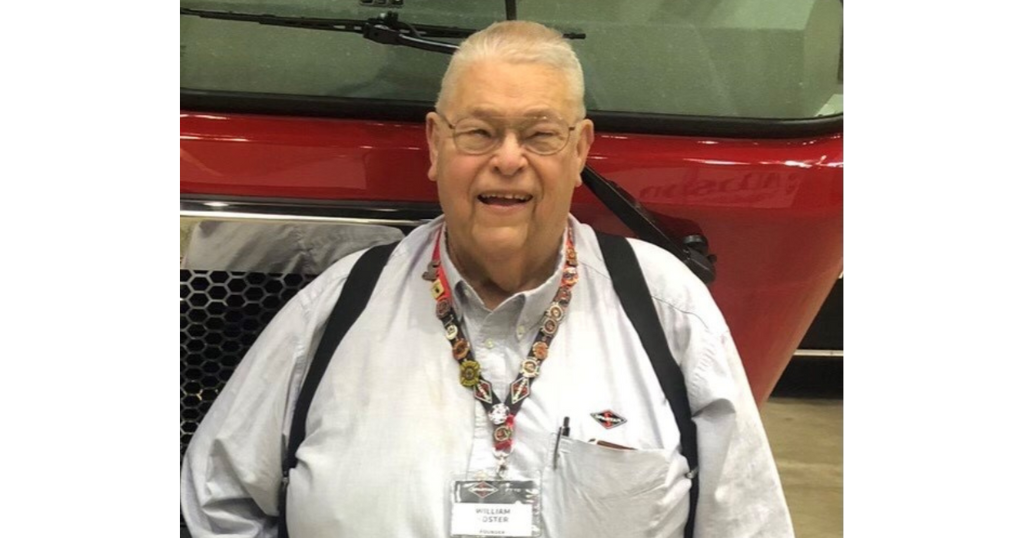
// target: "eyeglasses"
[[542, 135]]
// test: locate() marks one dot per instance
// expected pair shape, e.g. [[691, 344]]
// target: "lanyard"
[[501, 414]]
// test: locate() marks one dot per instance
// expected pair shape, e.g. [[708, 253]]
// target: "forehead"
[[499, 88]]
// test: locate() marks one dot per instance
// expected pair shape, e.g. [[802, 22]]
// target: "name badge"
[[495, 508]]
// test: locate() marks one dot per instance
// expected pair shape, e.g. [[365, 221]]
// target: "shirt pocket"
[[595, 491]]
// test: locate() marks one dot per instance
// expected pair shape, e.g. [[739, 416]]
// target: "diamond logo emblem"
[[608, 419], [483, 391], [520, 389], [482, 489]]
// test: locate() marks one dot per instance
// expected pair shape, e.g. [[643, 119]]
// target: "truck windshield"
[[728, 58]]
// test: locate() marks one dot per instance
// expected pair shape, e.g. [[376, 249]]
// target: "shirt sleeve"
[[231, 472], [740, 492]]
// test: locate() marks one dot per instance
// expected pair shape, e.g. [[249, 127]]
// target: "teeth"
[[518, 197]]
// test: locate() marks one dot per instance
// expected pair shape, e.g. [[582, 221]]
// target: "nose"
[[508, 158]]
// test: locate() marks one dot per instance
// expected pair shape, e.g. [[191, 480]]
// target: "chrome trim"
[[818, 353], [404, 214], [272, 217]]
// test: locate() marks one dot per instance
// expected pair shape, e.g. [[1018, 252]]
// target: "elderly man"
[[550, 420]]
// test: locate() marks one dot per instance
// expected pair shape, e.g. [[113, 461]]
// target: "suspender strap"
[[354, 296], [630, 286]]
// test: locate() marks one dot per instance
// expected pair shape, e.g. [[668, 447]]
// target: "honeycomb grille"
[[222, 313]]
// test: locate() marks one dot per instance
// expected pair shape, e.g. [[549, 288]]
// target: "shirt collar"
[[531, 304]]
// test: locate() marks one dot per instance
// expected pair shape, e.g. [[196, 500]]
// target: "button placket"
[[489, 353], [481, 455]]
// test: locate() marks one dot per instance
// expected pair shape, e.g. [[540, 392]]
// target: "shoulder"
[[673, 287], [324, 290]]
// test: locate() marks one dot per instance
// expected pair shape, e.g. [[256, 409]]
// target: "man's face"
[[472, 187]]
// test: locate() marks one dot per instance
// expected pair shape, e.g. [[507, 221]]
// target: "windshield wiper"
[[385, 29], [510, 10]]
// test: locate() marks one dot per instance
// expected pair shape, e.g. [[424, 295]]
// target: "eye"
[[541, 131], [475, 131]]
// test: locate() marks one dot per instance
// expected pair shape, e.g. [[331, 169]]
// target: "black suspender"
[[630, 286], [354, 296]]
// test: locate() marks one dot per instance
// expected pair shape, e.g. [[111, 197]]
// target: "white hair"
[[517, 42]]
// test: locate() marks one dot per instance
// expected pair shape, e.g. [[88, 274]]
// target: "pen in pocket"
[[563, 431]]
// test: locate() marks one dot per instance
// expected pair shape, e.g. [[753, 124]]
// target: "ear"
[[582, 148], [433, 143]]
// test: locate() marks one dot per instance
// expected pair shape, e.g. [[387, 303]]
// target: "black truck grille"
[[222, 313]]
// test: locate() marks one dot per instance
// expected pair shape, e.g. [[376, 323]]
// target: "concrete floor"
[[806, 436]]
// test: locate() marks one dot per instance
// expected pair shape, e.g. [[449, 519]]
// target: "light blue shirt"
[[391, 427]]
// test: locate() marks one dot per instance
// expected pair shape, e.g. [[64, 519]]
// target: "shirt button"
[[520, 330], [489, 343]]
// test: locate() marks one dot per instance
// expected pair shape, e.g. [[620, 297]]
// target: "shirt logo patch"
[[482, 489], [608, 419]]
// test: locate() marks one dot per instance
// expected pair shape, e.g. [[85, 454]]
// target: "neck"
[[497, 279]]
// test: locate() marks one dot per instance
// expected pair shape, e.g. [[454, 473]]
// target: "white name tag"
[[473, 519], [482, 508]]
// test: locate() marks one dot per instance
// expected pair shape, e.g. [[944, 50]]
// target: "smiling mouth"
[[504, 199]]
